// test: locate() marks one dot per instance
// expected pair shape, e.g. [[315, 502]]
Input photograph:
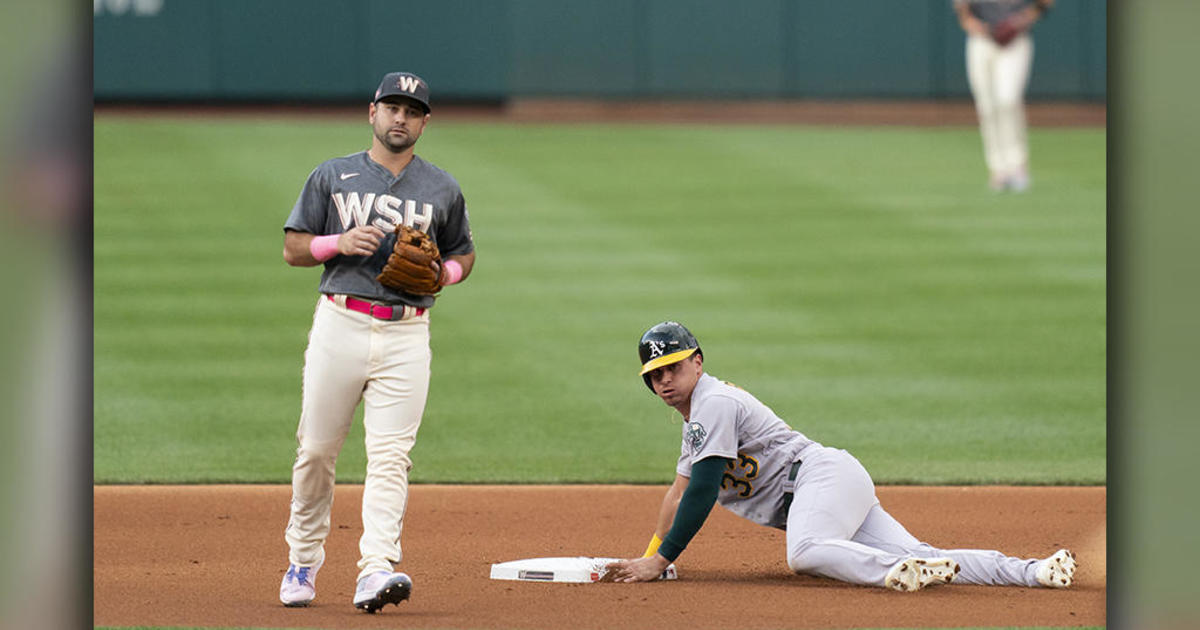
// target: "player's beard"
[[395, 144]]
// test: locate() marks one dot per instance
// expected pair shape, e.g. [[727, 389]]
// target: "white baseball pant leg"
[[353, 357], [998, 76], [393, 404], [979, 566], [833, 494]]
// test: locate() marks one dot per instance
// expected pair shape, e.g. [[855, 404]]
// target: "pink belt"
[[379, 311]]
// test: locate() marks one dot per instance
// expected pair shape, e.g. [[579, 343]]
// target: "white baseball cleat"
[[1057, 571], [380, 589], [914, 574], [299, 586], [1019, 182]]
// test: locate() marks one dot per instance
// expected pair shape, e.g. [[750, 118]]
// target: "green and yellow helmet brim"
[[667, 359]]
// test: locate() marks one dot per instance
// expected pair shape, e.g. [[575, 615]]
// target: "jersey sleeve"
[[712, 429], [454, 236], [312, 206], [684, 466]]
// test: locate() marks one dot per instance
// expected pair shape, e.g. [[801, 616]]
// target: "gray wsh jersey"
[[729, 422], [354, 190]]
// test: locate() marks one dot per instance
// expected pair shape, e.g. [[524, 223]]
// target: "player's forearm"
[[976, 26], [969, 23], [695, 504], [1031, 14], [1027, 17], [666, 514], [465, 263], [297, 250]]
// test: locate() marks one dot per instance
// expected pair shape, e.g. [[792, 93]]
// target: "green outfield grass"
[[863, 282], [990, 628]]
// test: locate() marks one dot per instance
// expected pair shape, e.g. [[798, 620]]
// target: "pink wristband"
[[454, 271], [324, 247]]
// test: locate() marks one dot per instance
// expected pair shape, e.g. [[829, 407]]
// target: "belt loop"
[[792, 471], [788, 495]]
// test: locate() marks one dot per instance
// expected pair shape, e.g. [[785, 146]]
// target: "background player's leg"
[[981, 54], [833, 494], [333, 381], [979, 566], [1012, 67], [392, 407]]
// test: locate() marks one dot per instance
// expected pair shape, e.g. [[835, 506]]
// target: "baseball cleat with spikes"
[[914, 574], [380, 589], [298, 588], [1057, 571]]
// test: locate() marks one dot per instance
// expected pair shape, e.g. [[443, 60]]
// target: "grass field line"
[[860, 281]]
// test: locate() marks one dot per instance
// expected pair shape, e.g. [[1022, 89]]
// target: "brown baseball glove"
[[1005, 31], [408, 268]]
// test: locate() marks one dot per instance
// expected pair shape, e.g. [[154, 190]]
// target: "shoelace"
[[300, 574]]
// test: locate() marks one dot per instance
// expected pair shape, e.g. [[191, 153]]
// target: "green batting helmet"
[[664, 344]]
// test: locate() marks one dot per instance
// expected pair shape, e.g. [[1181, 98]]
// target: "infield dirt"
[[214, 556]]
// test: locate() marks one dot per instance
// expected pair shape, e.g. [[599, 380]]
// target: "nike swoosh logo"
[[346, 176]]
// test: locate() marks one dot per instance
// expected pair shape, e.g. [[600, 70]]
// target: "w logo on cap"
[[408, 84], [404, 84]]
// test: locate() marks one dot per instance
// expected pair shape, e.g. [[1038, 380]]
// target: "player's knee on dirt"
[[799, 560]]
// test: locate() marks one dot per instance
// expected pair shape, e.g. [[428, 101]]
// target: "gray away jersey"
[[992, 12], [354, 190], [729, 422]]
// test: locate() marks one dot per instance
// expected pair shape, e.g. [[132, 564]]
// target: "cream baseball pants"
[[998, 76], [353, 357]]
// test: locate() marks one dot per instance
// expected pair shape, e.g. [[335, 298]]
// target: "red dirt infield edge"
[[213, 556]]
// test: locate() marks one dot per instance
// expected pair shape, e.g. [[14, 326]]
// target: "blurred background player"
[[738, 453], [369, 343], [999, 59]]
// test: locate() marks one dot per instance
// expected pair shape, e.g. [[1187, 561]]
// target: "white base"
[[580, 569]]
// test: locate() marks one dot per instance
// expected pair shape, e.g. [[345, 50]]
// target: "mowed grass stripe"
[[860, 281]]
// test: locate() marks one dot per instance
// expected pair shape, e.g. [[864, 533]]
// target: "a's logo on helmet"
[[656, 348]]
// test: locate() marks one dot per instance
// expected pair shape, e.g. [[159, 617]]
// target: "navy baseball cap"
[[404, 84]]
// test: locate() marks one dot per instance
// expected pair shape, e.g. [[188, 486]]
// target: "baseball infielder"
[[738, 453], [368, 342], [999, 57]]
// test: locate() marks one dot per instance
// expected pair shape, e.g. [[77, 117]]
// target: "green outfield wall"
[[494, 50]]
